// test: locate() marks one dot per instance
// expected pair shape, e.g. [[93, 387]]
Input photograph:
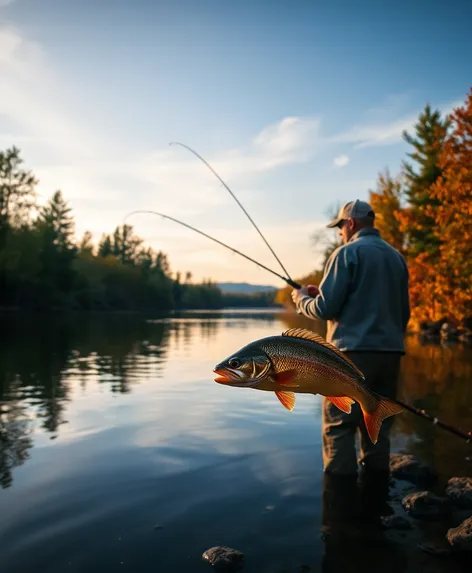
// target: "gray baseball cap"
[[352, 210]]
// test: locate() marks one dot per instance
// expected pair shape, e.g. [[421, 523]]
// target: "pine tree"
[[56, 227], [17, 191], [428, 141], [105, 247], [125, 245], [86, 244]]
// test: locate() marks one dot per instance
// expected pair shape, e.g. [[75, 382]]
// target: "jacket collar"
[[365, 232]]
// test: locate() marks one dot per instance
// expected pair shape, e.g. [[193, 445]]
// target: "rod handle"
[[293, 284]]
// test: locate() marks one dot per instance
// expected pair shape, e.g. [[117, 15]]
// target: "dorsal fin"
[[308, 335]]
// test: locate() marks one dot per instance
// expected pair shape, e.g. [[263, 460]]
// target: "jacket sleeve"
[[333, 288]]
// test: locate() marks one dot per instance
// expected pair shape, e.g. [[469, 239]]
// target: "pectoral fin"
[[285, 378], [287, 399], [344, 403]]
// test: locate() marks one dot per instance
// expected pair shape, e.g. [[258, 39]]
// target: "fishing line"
[[237, 201], [288, 280]]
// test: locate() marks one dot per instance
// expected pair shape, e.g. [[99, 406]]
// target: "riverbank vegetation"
[[425, 211], [44, 266]]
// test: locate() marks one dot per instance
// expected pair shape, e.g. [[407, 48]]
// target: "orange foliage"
[[441, 282], [453, 218], [385, 202]]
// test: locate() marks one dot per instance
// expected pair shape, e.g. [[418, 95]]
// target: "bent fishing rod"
[[287, 279], [237, 201]]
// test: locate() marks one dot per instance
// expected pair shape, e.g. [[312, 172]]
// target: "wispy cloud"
[[375, 134], [341, 160], [5, 2]]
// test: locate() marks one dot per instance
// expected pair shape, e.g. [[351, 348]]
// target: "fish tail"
[[373, 420]]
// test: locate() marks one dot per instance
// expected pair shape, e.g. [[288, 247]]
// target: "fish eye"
[[234, 363]]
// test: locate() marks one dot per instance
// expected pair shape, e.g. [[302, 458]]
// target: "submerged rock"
[[409, 468], [395, 522], [224, 559], [459, 490], [460, 537], [426, 505]]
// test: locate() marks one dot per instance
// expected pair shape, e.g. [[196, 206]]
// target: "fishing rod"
[[237, 201], [423, 414], [287, 279]]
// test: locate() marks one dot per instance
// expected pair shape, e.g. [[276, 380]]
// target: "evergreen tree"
[[105, 246], [86, 244], [428, 139], [125, 245], [56, 228], [17, 192]]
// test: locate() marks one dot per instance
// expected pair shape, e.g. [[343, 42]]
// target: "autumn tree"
[[386, 201], [452, 216]]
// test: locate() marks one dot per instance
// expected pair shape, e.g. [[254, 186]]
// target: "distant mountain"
[[245, 288]]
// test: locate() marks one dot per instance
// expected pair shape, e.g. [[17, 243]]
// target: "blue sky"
[[297, 105]]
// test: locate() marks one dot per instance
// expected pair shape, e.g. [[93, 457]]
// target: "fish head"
[[245, 368]]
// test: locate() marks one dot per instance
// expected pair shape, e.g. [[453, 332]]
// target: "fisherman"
[[364, 299]]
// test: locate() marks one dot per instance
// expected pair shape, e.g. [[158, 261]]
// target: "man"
[[364, 299]]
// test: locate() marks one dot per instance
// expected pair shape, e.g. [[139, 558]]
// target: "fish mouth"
[[225, 376]]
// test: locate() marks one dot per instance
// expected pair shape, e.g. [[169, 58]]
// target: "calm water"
[[118, 452]]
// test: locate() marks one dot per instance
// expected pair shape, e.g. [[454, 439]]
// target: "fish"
[[300, 361]]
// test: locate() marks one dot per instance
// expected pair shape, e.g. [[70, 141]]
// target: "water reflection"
[[113, 424], [352, 533]]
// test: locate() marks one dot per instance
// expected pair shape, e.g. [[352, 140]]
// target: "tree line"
[[43, 266], [425, 211]]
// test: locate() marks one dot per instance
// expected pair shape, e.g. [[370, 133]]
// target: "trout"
[[302, 362]]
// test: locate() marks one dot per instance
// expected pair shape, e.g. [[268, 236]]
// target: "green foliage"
[[430, 133], [43, 267]]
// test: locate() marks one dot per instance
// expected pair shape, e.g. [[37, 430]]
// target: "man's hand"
[[313, 290], [310, 290]]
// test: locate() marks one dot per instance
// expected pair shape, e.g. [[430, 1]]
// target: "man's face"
[[347, 228]]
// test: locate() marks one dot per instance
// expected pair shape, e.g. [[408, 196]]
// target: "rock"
[[426, 505], [409, 468], [395, 522], [459, 490], [460, 537], [224, 558]]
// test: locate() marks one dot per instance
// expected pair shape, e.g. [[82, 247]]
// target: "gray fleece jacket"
[[363, 296]]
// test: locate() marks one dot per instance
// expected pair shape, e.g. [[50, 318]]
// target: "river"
[[120, 453]]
